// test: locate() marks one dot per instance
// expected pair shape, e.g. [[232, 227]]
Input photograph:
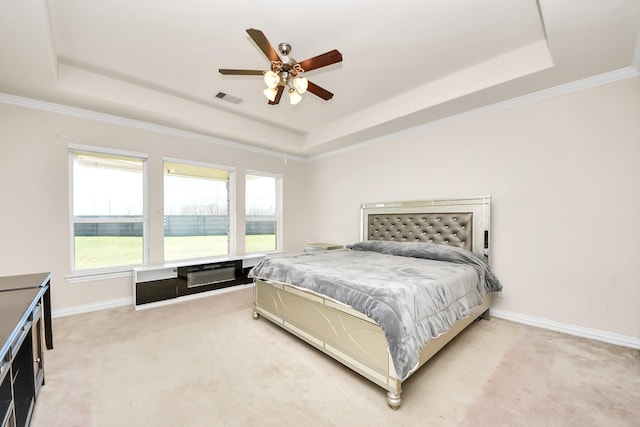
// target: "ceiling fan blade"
[[278, 96], [323, 60], [263, 43], [227, 71], [318, 91]]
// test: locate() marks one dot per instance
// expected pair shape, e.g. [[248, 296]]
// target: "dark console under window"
[[207, 277]]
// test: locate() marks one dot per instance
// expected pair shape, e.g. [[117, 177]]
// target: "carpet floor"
[[206, 362]]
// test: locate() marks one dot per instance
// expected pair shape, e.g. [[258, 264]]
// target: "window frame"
[[278, 202], [113, 271], [231, 208]]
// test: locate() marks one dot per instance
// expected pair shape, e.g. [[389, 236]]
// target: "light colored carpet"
[[208, 363]]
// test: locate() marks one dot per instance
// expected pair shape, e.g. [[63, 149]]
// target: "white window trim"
[[198, 163], [107, 272]]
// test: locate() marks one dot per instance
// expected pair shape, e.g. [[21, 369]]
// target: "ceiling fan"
[[286, 72]]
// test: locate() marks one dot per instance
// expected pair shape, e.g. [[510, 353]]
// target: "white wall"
[[563, 172], [564, 176], [34, 212]]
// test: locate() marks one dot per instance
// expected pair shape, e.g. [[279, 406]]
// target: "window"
[[262, 213], [196, 211], [108, 213]]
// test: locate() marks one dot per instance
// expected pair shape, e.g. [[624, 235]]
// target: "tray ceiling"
[[405, 62]]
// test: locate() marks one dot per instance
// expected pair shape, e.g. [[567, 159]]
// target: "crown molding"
[[133, 123], [578, 85], [587, 83]]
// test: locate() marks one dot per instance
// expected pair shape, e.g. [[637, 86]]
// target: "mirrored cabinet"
[[24, 305]]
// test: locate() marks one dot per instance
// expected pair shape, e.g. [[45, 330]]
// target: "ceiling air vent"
[[229, 98]]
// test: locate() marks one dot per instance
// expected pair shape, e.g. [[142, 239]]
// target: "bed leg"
[[394, 400], [255, 315], [486, 315]]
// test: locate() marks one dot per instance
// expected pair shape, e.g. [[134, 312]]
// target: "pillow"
[[426, 250], [435, 251]]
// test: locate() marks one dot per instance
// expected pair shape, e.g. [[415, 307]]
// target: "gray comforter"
[[414, 291]]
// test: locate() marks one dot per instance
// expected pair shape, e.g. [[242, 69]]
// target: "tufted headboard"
[[459, 222]]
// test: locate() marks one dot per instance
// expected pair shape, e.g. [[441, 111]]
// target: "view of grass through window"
[[196, 211], [109, 251], [108, 220]]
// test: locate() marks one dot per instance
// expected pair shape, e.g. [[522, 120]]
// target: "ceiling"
[[406, 62]]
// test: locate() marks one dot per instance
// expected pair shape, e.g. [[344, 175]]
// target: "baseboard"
[[128, 301], [594, 334], [87, 308]]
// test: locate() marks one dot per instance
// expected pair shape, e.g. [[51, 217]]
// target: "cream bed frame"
[[351, 337]]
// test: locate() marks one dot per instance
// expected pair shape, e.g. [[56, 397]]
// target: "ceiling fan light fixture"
[[284, 70], [270, 93], [294, 97], [271, 79], [301, 84]]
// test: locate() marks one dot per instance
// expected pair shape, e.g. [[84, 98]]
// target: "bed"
[[385, 305]]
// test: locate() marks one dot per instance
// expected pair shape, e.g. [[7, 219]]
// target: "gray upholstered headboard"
[[449, 228], [459, 222]]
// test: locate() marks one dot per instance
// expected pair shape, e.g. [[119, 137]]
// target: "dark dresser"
[[25, 327]]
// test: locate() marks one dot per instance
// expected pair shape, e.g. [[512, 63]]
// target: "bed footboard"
[[346, 335], [341, 332]]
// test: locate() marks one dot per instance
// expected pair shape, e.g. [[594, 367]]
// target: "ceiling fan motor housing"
[[288, 68], [284, 48]]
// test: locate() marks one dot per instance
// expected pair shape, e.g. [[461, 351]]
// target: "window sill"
[[96, 275]]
